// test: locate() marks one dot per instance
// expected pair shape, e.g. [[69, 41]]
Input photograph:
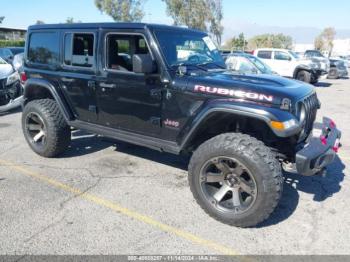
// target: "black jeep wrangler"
[[167, 88]]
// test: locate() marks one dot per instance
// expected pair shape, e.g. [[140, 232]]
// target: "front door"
[[126, 100], [283, 63]]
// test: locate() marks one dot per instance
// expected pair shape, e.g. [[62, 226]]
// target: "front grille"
[[311, 105], [2, 83]]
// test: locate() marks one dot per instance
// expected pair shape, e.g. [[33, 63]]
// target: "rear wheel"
[[304, 76], [45, 128], [236, 179]]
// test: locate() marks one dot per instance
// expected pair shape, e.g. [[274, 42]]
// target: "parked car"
[[225, 54], [247, 64], [238, 129], [287, 63], [316, 55], [7, 53], [16, 50], [338, 69], [10, 87], [18, 61]]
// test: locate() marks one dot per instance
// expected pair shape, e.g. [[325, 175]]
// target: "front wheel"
[[236, 179], [304, 76]]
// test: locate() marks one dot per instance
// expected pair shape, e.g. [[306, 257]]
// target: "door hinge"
[[93, 109]]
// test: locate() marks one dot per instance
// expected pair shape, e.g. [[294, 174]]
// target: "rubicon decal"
[[232, 92]]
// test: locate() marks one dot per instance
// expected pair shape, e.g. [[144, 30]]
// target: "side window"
[[44, 48], [120, 50], [79, 50], [282, 56], [265, 54]]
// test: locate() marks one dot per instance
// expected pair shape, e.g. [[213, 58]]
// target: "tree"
[[324, 41], [70, 20], [238, 43], [40, 22], [319, 43], [2, 19], [271, 41], [204, 15], [216, 28], [122, 10]]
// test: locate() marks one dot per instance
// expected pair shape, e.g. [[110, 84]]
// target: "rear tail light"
[[23, 77]]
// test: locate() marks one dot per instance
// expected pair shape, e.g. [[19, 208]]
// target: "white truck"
[[288, 64]]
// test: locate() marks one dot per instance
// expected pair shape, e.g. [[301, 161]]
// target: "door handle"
[[105, 85], [92, 85]]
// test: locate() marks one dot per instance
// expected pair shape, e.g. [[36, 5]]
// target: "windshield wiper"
[[190, 65], [212, 62]]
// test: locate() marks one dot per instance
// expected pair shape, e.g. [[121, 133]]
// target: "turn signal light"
[[277, 125]]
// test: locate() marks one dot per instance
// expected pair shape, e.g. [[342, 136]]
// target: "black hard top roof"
[[108, 25]]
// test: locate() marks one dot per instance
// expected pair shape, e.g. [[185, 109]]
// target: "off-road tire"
[[304, 76], [58, 135], [263, 165], [333, 74]]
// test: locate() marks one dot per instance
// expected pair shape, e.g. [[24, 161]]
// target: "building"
[[341, 47], [7, 33]]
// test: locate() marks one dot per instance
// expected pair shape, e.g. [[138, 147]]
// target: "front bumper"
[[343, 72], [320, 150], [319, 72]]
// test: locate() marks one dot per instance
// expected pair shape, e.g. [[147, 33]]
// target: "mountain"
[[300, 34]]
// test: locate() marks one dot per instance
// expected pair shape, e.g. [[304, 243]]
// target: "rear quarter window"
[[265, 54], [44, 48]]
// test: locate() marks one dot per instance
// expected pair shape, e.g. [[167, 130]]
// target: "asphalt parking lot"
[[105, 197]]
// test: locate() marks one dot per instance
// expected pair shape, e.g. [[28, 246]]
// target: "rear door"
[[78, 74], [266, 56]]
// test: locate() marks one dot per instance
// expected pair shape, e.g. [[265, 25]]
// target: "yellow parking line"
[[122, 210]]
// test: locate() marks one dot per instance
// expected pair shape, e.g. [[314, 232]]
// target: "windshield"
[[313, 54], [264, 68], [188, 48], [295, 55]]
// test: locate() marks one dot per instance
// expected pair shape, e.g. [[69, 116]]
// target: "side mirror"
[[143, 63]]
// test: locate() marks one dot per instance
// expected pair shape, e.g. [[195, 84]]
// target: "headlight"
[[302, 113], [12, 78], [314, 65]]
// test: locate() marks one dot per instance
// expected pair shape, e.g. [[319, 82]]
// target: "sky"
[[302, 19]]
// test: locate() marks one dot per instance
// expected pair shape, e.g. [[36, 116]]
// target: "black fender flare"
[[260, 112], [34, 86]]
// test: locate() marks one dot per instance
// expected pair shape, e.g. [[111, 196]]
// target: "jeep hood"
[[261, 88]]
